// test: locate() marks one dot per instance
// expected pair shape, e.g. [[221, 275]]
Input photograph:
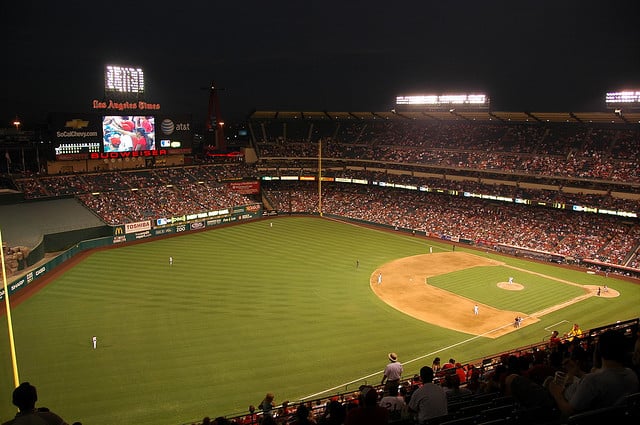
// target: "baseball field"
[[301, 307]]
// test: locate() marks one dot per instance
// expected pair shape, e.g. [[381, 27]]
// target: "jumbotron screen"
[[93, 136], [128, 133]]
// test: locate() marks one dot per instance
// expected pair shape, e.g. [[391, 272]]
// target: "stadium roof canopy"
[[453, 115]]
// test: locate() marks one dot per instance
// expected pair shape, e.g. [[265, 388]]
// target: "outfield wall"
[[128, 233], [50, 265], [61, 241], [531, 254], [442, 237]]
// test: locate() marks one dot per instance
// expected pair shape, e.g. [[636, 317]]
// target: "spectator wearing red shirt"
[[462, 375], [139, 140]]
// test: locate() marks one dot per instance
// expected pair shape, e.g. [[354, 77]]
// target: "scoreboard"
[[101, 136], [123, 79], [122, 124]]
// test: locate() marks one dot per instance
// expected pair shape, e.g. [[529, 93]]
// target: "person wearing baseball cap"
[[392, 373]]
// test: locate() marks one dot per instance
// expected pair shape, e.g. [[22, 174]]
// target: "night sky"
[[317, 55]]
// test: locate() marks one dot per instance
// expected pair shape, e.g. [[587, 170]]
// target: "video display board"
[[174, 132], [128, 133], [102, 136]]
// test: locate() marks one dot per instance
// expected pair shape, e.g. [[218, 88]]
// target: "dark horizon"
[[543, 56]]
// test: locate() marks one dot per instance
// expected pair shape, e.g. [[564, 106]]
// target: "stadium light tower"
[[215, 124]]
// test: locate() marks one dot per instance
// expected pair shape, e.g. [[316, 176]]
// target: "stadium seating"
[[494, 408], [549, 164]]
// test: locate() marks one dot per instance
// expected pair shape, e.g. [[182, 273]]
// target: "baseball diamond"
[[230, 311], [262, 213], [404, 290]]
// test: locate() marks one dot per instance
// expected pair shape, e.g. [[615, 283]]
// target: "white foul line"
[[555, 324], [407, 362]]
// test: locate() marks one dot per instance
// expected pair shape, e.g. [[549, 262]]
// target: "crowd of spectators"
[[483, 391], [39, 187], [439, 209], [567, 233], [569, 151], [558, 151], [76, 184], [573, 152], [380, 152], [127, 206]]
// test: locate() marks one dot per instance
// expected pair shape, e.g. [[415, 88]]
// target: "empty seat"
[[465, 420], [612, 415], [482, 398], [502, 400], [455, 407], [440, 420], [499, 412], [475, 408], [503, 421]]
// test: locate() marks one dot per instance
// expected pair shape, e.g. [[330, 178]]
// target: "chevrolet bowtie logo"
[[76, 123]]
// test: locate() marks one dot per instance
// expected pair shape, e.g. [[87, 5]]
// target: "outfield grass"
[[249, 309]]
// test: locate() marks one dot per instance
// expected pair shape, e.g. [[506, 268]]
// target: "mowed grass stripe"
[[243, 310], [281, 310]]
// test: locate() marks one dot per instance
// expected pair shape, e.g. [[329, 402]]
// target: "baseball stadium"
[[171, 281]]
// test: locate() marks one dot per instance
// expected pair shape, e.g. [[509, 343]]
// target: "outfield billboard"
[[245, 187]]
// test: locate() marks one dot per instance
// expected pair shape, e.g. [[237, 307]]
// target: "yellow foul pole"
[[14, 362], [320, 177]]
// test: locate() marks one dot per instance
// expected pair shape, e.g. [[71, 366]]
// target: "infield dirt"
[[404, 287]]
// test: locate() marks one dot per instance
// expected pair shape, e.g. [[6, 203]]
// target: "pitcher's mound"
[[510, 286]]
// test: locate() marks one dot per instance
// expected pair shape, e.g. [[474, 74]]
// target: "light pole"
[[17, 123]]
